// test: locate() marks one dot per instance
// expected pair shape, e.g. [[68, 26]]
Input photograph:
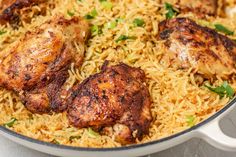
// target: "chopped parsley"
[[96, 30], [119, 20], [124, 37], [2, 32], [74, 137], [70, 13], [111, 25], [171, 11], [92, 133], [11, 122], [138, 22], [190, 120], [107, 5], [223, 29], [91, 15], [224, 90], [55, 141]]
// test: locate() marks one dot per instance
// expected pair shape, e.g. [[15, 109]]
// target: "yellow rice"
[[174, 93]]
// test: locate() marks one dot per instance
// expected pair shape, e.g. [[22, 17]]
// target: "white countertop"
[[192, 148]]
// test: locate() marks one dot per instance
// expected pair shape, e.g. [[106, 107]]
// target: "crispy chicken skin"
[[118, 97], [200, 7], [10, 9], [36, 66], [191, 45]]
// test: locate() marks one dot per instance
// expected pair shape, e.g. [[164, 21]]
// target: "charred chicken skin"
[[188, 45], [116, 97], [200, 7], [10, 9], [36, 66]]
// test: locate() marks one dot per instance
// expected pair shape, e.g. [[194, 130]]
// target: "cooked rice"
[[175, 93]]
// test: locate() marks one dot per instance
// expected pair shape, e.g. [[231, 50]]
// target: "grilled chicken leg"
[[191, 45], [36, 66]]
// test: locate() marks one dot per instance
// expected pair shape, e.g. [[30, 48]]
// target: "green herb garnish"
[[74, 137], [138, 22], [171, 11], [96, 30], [70, 13], [223, 29], [10, 123], [124, 37], [55, 141], [190, 120], [94, 12], [88, 17], [224, 90], [119, 20], [91, 15], [111, 25], [107, 5], [2, 32], [92, 133]]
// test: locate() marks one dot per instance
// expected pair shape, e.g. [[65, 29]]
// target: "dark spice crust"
[[191, 45], [116, 95]]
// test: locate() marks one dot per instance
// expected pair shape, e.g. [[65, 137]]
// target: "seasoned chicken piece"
[[118, 97], [200, 7], [36, 66], [191, 45], [10, 10]]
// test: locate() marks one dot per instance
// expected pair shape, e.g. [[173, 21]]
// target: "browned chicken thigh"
[[36, 66], [191, 45], [200, 7], [10, 10], [117, 97]]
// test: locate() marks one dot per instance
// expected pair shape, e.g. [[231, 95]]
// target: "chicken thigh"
[[36, 66], [189, 45], [116, 97]]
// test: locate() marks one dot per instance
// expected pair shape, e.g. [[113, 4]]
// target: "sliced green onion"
[[119, 20], [96, 30], [88, 17], [70, 13], [55, 141], [107, 5], [138, 22], [171, 11], [2, 32], [94, 12], [190, 120], [224, 90], [124, 37], [74, 137], [91, 15], [11, 122], [111, 25], [223, 29], [92, 133]]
